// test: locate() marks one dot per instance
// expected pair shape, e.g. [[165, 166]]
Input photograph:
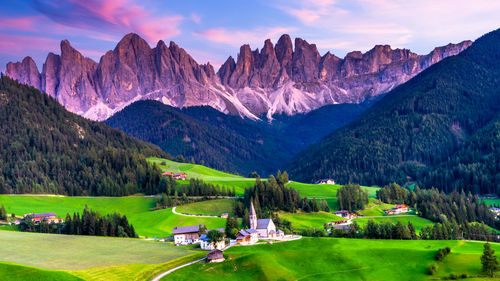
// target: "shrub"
[[431, 270], [442, 253]]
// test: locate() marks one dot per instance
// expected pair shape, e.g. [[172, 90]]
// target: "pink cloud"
[[239, 37], [111, 16], [24, 23], [18, 45]]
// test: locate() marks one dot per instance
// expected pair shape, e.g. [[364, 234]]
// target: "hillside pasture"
[[16, 272], [70, 252], [211, 207], [309, 220], [337, 259]]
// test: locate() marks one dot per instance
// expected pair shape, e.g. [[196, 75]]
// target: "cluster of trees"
[[352, 197], [89, 223], [272, 195], [440, 207], [3, 213], [442, 253], [46, 149], [438, 231], [173, 195], [232, 227], [438, 130]]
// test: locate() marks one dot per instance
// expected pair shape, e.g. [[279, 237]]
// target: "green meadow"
[[309, 220], [338, 259], [15, 272], [206, 174], [138, 210], [69, 257], [212, 207]]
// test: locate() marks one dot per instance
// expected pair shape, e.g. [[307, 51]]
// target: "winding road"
[[157, 278], [188, 215]]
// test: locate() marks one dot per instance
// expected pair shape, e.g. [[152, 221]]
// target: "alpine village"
[[249, 140]]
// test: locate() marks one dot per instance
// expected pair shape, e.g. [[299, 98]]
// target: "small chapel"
[[265, 227]]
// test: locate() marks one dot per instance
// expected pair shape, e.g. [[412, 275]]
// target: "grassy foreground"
[[15, 272], [338, 259]]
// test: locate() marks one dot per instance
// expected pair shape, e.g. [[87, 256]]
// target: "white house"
[[206, 243], [247, 236], [184, 235]]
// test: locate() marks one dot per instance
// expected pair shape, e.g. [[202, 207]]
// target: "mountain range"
[[281, 79], [441, 129]]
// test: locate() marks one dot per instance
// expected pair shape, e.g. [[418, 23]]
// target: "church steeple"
[[253, 217]]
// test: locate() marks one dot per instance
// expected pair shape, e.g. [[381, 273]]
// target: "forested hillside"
[[211, 138], [46, 149], [439, 129]]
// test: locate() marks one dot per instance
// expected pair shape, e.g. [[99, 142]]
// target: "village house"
[[345, 214], [215, 255], [247, 236], [47, 217], [398, 209], [496, 211], [340, 222], [185, 235], [325, 181], [224, 216], [206, 243], [175, 176]]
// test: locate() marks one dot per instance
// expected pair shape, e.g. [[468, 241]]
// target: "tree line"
[[400, 231], [352, 197], [88, 223], [440, 207], [271, 196]]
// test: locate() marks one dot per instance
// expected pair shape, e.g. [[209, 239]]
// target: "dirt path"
[[157, 278], [188, 215]]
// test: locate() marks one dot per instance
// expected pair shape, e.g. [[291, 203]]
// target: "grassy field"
[[69, 252], [211, 207], [309, 220], [146, 223], [206, 174], [374, 208], [417, 221], [338, 259], [15, 272], [160, 223]]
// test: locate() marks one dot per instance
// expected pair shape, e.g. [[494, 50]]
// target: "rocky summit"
[[278, 79]]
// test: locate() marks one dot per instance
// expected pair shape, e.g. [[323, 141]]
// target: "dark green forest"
[[440, 129], [46, 149], [223, 142]]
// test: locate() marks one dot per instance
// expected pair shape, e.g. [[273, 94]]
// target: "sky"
[[214, 30]]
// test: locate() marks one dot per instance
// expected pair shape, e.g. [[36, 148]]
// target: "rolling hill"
[[46, 149], [438, 129]]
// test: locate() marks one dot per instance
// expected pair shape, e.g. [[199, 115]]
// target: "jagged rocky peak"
[[25, 72], [285, 78]]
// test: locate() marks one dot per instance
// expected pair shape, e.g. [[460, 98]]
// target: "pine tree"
[[489, 260], [3, 213]]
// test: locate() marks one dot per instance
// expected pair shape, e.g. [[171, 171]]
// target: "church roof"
[[263, 223]]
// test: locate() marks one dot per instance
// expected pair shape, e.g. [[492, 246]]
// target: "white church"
[[265, 227]]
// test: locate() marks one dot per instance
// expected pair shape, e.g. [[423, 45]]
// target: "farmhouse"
[[398, 209], [224, 216], [340, 222], [206, 243], [47, 217], [215, 255], [184, 235], [176, 176], [325, 181], [345, 214], [247, 236], [496, 211]]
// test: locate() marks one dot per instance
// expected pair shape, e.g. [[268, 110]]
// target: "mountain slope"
[[278, 79], [421, 125], [220, 141], [46, 149]]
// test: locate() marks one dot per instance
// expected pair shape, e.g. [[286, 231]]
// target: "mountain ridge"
[[438, 129], [275, 80]]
